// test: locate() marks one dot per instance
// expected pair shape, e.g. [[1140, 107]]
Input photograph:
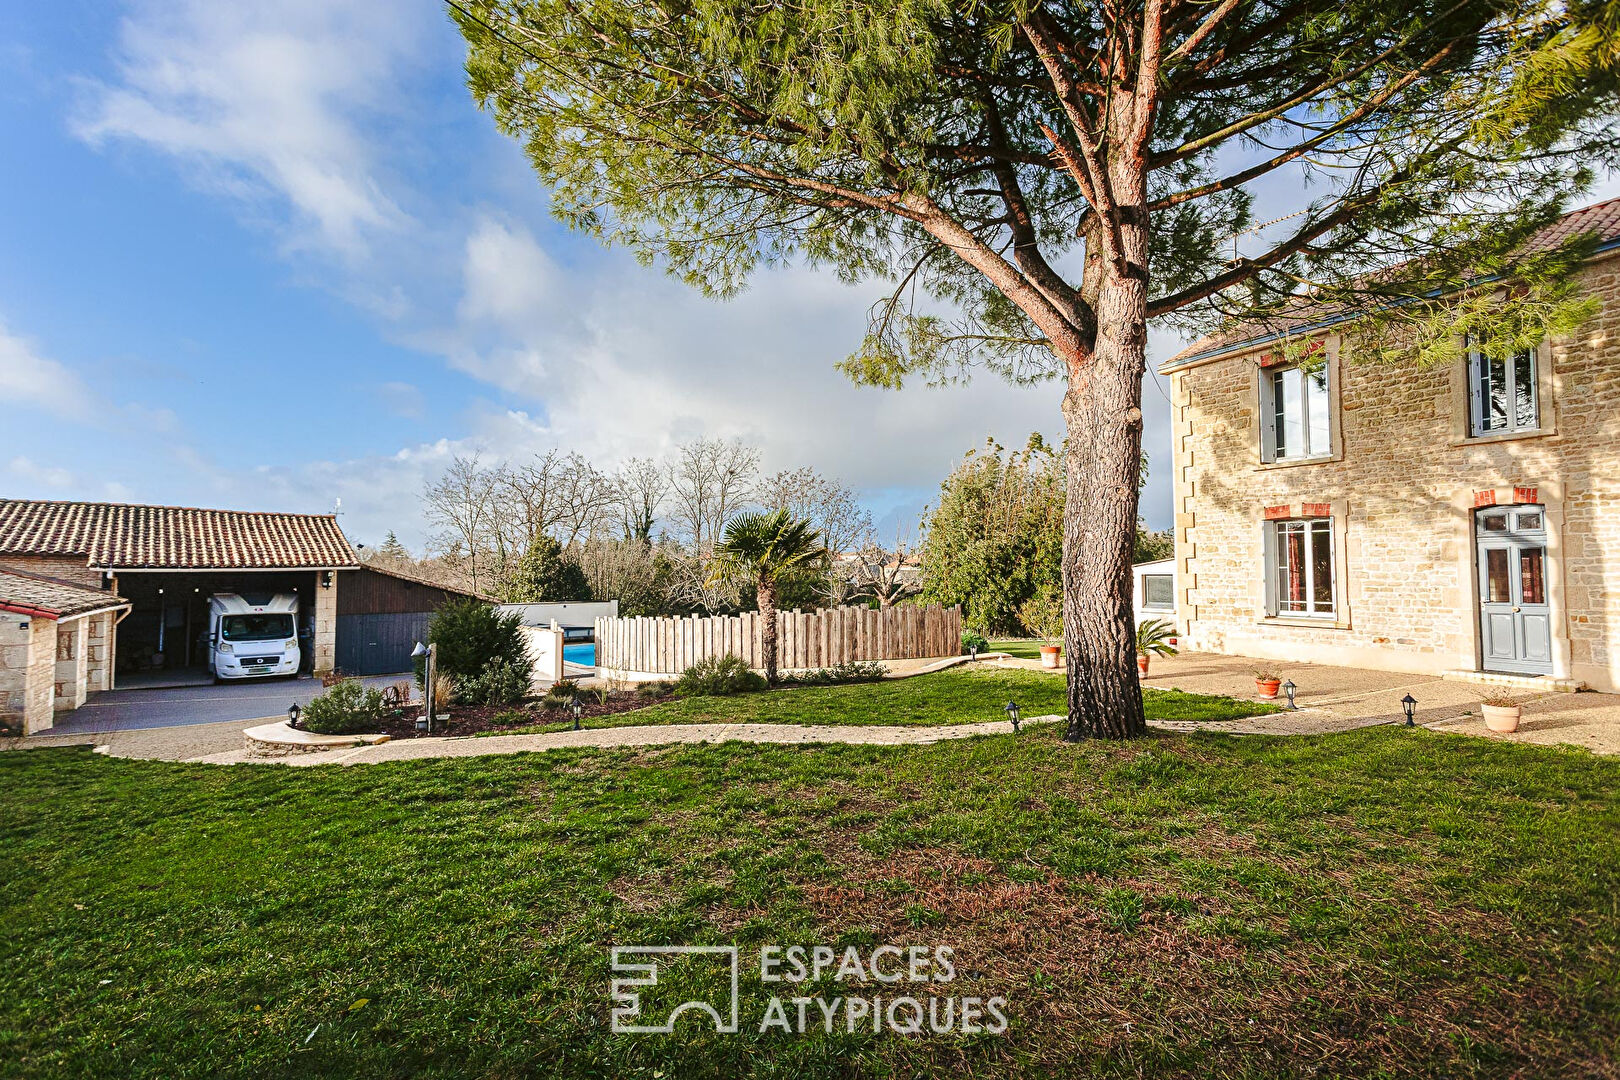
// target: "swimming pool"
[[584, 655]]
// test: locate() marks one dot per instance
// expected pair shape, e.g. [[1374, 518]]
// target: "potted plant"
[[1155, 637], [1267, 682], [1042, 614], [1501, 714]]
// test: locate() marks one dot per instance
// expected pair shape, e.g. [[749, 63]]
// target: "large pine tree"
[[1058, 174]]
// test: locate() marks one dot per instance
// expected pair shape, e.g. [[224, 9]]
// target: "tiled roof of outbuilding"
[[1601, 218], [122, 536], [51, 598]]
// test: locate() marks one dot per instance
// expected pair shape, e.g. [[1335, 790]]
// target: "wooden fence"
[[805, 639]]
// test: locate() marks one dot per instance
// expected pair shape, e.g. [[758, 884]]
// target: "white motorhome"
[[253, 635]]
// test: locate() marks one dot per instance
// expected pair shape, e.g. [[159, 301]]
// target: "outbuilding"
[[140, 577]]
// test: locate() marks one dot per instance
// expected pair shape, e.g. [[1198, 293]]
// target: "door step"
[[1538, 684]]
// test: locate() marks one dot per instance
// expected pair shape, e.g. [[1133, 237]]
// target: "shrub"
[[853, 672], [470, 635], [972, 639], [500, 682], [564, 688], [719, 676], [654, 689], [555, 702], [348, 708]]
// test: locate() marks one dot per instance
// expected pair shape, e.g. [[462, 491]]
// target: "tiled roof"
[[422, 579], [1602, 218], [119, 536], [51, 598]]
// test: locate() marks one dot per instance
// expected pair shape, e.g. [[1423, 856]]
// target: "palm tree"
[[763, 550]]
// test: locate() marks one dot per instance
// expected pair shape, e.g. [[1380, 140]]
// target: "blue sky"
[[270, 256]]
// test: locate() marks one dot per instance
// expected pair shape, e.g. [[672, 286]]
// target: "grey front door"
[[1515, 622]]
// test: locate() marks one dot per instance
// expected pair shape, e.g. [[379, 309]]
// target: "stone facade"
[[325, 640], [27, 672], [74, 568], [72, 664], [1402, 483]]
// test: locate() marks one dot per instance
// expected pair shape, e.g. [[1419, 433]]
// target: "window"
[[1294, 408], [267, 627], [1158, 592], [1502, 395], [1300, 567]]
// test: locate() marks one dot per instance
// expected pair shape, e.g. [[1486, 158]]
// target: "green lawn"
[[1386, 902], [960, 695], [1023, 648]]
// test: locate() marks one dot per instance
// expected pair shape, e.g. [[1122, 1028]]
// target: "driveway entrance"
[[128, 710]]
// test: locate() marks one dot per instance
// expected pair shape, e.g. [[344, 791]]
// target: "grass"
[[960, 695], [1022, 648], [1387, 902]]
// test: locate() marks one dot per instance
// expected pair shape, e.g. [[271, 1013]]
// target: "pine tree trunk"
[[1102, 410], [767, 612]]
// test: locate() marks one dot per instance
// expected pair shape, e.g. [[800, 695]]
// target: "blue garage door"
[[379, 644]]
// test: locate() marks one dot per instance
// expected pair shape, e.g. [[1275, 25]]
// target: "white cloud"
[[29, 379], [48, 479], [402, 399], [264, 101]]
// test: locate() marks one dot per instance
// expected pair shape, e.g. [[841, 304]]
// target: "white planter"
[[1501, 718]]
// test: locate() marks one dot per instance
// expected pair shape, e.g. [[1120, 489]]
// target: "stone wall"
[[1402, 483], [72, 664], [74, 568], [99, 651]]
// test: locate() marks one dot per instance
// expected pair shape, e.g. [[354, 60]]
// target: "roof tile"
[[121, 536], [50, 597]]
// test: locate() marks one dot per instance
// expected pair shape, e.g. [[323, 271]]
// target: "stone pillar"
[[325, 643], [72, 656], [39, 681], [15, 637], [99, 653]]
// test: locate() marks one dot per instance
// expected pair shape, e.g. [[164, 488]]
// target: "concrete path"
[[222, 744]]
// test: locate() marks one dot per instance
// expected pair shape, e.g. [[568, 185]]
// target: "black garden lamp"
[[577, 709], [1013, 715], [1290, 689], [293, 715], [1409, 706]]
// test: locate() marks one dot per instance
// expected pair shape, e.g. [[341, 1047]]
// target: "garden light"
[[577, 709], [1012, 714], [1289, 688], [293, 713], [1409, 705]]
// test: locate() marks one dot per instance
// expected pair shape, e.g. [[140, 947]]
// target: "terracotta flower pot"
[[1050, 655], [1267, 688], [1142, 662], [1502, 718]]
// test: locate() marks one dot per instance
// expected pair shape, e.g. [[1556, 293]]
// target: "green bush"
[[564, 688], [853, 672], [657, 688], [500, 682], [470, 635], [719, 676], [972, 639], [348, 708]]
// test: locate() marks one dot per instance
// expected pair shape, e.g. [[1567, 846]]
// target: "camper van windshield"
[[256, 627]]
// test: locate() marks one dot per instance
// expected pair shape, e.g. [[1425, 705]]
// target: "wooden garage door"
[[379, 644]]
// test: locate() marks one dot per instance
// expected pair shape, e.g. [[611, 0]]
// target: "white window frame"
[[1274, 547], [1270, 378], [1148, 605], [1478, 368]]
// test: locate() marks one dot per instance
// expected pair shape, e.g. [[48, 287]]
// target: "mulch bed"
[[476, 719]]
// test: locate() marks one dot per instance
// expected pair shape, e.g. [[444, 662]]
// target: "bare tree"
[[533, 495], [710, 480], [642, 488], [888, 577], [844, 525], [588, 499], [462, 504]]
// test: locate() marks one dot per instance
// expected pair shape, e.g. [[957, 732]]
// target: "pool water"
[[584, 655]]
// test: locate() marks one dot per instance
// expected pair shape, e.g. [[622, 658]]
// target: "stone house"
[[55, 646], [1461, 521]]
